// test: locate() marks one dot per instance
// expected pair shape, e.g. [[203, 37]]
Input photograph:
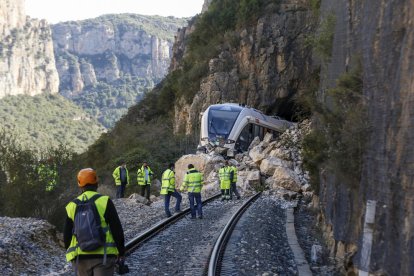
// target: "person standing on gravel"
[[90, 256], [193, 183], [144, 175], [233, 180], [168, 190], [224, 177], [121, 177]]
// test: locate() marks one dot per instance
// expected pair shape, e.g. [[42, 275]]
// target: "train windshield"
[[221, 120]]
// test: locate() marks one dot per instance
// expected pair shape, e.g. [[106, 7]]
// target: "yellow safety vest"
[[193, 181], [224, 175], [141, 176], [168, 182], [74, 250], [117, 176]]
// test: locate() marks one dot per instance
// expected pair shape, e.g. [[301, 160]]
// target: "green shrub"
[[322, 41], [340, 130], [23, 189]]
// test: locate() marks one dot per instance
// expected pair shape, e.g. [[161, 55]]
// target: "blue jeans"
[[197, 197], [167, 198]]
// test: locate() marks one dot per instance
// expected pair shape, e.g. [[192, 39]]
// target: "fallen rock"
[[287, 179]]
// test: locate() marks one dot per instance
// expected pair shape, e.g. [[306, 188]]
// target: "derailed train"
[[235, 126]]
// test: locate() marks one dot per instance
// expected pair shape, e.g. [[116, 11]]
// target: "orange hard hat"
[[87, 177]]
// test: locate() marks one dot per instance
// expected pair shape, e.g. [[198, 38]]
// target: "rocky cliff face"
[[263, 65], [112, 47], [27, 63], [371, 225]]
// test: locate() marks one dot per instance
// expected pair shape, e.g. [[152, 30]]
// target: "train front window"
[[221, 121]]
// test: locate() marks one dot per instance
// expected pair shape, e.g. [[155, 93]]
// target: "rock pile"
[[274, 163], [30, 246]]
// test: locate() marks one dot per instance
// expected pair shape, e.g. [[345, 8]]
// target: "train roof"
[[247, 111], [236, 107]]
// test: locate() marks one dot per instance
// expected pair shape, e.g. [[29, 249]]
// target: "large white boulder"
[[287, 179], [204, 163], [269, 165], [256, 154]]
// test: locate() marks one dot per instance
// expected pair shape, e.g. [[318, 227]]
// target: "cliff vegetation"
[[47, 121]]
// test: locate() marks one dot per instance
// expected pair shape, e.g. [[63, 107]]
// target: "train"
[[234, 126]]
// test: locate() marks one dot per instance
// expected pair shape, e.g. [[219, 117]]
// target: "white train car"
[[235, 126]]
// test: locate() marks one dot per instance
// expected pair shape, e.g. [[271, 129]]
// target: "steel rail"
[[221, 242], [133, 244]]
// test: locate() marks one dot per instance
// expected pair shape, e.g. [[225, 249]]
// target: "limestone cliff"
[[371, 223], [113, 47], [27, 63], [263, 64]]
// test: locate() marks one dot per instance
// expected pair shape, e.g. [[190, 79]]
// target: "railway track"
[[133, 244], [216, 257], [183, 246]]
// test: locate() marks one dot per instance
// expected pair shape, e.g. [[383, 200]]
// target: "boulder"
[[204, 163], [139, 199], [287, 179], [268, 137], [280, 153], [269, 148], [268, 166], [255, 142], [253, 179], [256, 154]]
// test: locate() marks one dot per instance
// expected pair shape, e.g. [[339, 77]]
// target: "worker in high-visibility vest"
[[121, 177], [193, 183], [168, 190], [101, 259], [233, 181], [144, 175], [224, 176]]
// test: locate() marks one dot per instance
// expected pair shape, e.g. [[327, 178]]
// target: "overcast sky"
[[64, 10]]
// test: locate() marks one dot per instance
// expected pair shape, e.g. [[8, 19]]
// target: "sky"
[[55, 11]]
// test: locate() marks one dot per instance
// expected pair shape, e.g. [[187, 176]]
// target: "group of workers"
[[227, 181], [102, 259]]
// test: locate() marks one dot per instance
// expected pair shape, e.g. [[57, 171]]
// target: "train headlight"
[[230, 141]]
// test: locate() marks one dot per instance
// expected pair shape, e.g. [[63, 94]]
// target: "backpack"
[[87, 224]]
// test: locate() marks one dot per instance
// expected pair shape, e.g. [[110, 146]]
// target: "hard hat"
[[87, 177]]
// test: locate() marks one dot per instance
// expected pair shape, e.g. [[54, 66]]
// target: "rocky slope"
[[27, 63], [370, 224], [264, 64], [110, 61], [112, 46]]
